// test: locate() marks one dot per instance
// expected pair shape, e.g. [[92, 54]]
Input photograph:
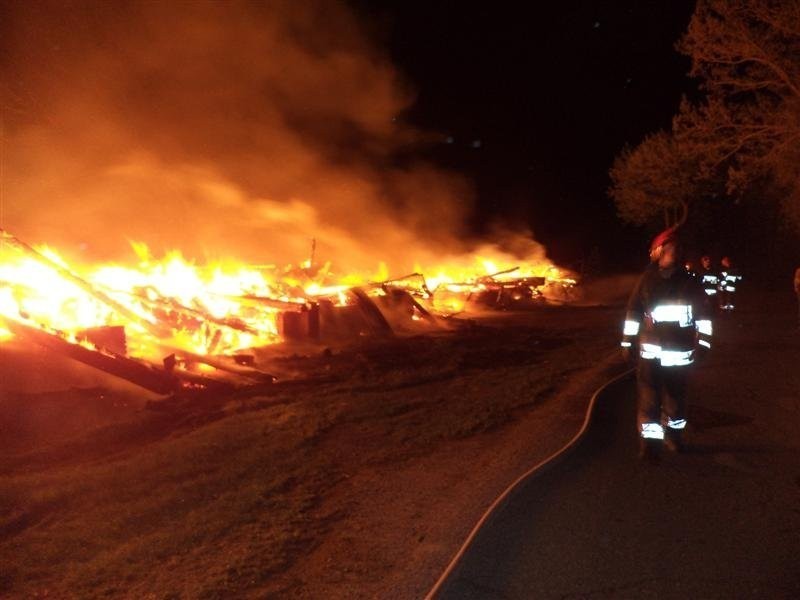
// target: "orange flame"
[[218, 308]]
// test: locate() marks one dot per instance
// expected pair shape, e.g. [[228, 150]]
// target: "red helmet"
[[663, 238]]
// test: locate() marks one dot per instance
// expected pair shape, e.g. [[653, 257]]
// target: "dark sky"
[[549, 94], [120, 115]]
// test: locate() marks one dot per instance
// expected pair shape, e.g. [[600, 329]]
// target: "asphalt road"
[[722, 521]]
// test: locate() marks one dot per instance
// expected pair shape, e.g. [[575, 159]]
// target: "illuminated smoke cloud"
[[221, 128]]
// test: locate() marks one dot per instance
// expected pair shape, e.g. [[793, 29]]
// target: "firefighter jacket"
[[668, 316], [728, 279], [710, 280]]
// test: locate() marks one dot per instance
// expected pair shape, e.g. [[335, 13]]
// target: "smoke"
[[220, 128]]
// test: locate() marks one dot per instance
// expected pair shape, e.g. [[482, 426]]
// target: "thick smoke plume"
[[221, 128]]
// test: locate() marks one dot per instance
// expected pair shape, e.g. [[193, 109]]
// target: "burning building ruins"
[[171, 325], [226, 130]]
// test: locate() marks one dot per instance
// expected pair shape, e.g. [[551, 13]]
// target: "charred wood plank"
[[401, 302], [135, 371], [221, 363], [295, 326], [371, 312], [284, 305], [405, 282], [424, 312], [494, 275]]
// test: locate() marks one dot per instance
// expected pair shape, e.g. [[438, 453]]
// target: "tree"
[[743, 136], [657, 179]]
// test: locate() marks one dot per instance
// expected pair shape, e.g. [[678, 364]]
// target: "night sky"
[[534, 103], [120, 116]]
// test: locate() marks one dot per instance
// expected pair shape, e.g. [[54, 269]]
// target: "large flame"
[[238, 128], [216, 308]]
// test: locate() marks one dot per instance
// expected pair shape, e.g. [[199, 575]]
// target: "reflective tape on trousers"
[[672, 358], [704, 326], [630, 328], [667, 358]]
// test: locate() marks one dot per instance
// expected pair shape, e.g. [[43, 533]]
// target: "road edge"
[[551, 460]]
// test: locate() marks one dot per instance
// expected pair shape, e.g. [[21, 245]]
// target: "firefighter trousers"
[[726, 300], [661, 392]]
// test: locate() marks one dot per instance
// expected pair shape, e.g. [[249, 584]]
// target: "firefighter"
[[668, 322], [728, 278], [709, 278]]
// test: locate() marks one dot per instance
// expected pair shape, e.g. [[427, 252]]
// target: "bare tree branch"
[[745, 130]]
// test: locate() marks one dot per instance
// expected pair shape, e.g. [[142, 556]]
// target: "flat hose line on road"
[[549, 461]]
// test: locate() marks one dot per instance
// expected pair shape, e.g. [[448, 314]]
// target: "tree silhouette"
[[743, 136], [656, 179]]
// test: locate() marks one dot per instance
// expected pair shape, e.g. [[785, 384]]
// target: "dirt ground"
[[357, 477]]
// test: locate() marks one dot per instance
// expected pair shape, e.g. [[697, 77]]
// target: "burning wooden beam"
[[225, 364], [160, 332], [282, 305], [170, 305], [87, 287], [170, 379], [137, 372], [401, 282], [375, 319], [493, 276], [424, 313]]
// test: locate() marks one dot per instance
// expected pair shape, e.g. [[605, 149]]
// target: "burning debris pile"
[[225, 125], [170, 326]]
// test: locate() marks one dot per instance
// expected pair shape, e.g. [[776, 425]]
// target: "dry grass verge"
[[356, 484]]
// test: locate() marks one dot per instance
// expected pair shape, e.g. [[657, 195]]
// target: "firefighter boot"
[[650, 451]]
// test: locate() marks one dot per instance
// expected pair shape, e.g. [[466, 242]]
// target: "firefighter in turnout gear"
[[709, 278], [728, 278], [668, 322]]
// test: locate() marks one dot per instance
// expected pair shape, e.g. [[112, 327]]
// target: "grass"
[[102, 527], [217, 507]]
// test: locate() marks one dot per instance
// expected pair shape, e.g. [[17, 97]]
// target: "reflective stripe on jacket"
[[710, 281], [668, 316]]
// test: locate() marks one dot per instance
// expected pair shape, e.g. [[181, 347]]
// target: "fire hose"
[[532, 472]]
